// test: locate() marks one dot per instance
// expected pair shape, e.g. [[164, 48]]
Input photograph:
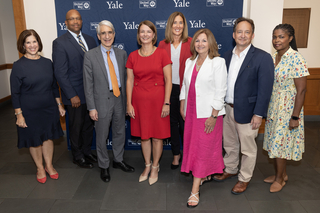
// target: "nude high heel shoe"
[[143, 178], [154, 180]]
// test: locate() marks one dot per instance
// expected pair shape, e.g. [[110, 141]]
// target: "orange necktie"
[[113, 76]]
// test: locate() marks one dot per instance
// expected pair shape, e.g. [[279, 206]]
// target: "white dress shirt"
[[234, 68], [175, 58]]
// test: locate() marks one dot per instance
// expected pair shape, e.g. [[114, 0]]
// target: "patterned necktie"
[[81, 44], [114, 81]]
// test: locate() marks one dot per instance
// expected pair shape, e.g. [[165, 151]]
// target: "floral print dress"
[[279, 141]]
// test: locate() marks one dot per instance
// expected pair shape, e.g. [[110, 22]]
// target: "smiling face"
[[281, 40], [146, 34], [243, 34], [73, 21], [106, 36], [201, 44], [31, 46], [177, 26]]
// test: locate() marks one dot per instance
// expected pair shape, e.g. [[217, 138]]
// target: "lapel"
[[75, 43], [190, 68], [101, 63], [247, 59], [204, 67]]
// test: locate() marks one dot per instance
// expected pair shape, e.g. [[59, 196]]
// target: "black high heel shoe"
[[173, 167]]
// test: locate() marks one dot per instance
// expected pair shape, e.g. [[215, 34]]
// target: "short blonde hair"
[[152, 27], [213, 46]]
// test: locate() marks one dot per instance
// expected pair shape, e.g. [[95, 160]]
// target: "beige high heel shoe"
[[154, 180], [143, 178]]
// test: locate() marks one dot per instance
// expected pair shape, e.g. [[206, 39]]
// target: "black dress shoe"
[[104, 175], [123, 166], [83, 163], [92, 158]]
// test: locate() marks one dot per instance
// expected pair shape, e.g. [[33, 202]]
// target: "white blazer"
[[210, 85]]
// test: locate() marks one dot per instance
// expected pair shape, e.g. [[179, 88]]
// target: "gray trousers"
[[115, 117]]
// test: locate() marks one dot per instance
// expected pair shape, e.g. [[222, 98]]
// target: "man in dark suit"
[[67, 56], [250, 81], [104, 75]]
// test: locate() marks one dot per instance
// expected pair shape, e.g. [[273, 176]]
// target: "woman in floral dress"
[[284, 132]]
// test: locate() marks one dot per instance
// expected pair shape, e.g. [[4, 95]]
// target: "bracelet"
[[166, 103], [59, 104], [295, 118], [18, 113]]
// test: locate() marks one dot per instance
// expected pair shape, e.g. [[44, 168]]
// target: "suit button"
[[108, 98], [136, 84], [156, 84]]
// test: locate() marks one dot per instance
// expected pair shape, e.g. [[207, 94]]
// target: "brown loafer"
[[276, 187], [223, 176], [240, 187], [272, 178]]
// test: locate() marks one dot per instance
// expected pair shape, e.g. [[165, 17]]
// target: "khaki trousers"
[[239, 137]]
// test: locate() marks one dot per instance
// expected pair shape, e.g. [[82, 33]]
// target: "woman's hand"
[[165, 111], [130, 111], [62, 111], [209, 124], [293, 124], [21, 121]]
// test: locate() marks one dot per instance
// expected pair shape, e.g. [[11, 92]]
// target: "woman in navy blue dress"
[[36, 101]]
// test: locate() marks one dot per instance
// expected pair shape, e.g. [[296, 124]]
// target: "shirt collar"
[[74, 34], [244, 52], [103, 49]]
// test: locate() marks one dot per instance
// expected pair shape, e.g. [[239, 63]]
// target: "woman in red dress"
[[148, 97]]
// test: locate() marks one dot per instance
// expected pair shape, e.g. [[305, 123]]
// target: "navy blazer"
[[253, 87], [67, 57]]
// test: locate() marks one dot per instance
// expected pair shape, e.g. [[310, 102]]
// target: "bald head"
[[73, 21]]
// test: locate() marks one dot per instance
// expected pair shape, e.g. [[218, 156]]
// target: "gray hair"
[[106, 23]]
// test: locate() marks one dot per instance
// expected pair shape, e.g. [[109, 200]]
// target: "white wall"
[[8, 47], [311, 53], [41, 16], [266, 15]]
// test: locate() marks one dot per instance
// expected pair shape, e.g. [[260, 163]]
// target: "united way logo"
[[228, 22], [119, 45], [161, 24], [214, 3], [81, 5], [147, 4], [93, 25]]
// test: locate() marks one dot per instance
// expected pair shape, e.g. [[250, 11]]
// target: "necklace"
[[153, 49], [200, 64]]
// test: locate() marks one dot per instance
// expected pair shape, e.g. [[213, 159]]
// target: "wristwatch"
[[295, 118], [214, 116]]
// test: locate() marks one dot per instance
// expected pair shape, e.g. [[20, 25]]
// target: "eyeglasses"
[[72, 19]]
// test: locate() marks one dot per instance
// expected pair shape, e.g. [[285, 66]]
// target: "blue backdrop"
[[216, 15]]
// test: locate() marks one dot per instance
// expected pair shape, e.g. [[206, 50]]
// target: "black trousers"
[[176, 121], [80, 131]]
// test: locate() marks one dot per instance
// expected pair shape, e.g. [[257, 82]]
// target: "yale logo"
[[114, 5], [63, 26], [130, 25], [181, 3], [197, 24]]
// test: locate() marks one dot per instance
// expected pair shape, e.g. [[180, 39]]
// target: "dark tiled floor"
[[81, 190]]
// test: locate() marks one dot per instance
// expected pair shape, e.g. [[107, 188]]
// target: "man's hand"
[[256, 122], [75, 101], [93, 114]]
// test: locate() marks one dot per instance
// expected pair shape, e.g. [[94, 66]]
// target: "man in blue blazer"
[[249, 87], [67, 56]]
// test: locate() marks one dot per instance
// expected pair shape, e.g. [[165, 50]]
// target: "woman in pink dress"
[[148, 97], [202, 106]]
